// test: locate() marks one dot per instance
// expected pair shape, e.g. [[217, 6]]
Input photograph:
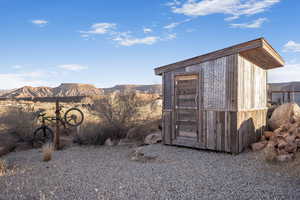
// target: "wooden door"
[[186, 109]]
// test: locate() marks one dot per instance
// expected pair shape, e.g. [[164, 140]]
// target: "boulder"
[[284, 114], [259, 145], [153, 138], [143, 154]]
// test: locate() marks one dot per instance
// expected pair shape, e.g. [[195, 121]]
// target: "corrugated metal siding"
[[214, 84], [167, 90]]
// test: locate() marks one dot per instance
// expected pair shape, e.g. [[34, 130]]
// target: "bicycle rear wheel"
[[43, 135], [74, 117]]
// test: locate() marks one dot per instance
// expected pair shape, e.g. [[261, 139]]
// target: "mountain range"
[[75, 89], [288, 86]]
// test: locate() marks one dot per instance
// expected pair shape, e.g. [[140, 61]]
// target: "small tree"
[[122, 111]]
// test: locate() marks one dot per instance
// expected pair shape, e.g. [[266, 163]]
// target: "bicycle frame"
[[51, 119]]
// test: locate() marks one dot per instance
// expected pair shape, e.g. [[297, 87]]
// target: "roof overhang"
[[258, 51]]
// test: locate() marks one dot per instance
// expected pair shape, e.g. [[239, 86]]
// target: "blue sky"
[[108, 42]]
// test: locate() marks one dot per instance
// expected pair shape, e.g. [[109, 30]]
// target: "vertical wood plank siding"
[[252, 86], [167, 127]]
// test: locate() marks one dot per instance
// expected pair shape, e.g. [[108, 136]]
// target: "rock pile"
[[283, 142]]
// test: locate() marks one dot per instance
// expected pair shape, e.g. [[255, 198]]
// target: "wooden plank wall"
[[168, 102], [167, 127], [231, 131], [252, 86], [251, 125], [218, 131]]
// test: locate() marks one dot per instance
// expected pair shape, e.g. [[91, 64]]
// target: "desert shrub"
[[118, 113], [140, 132], [92, 133], [47, 150], [123, 111], [21, 121], [3, 167]]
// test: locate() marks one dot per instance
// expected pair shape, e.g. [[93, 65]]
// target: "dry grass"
[[92, 133], [119, 113], [47, 150], [20, 120], [3, 167], [125, 111]]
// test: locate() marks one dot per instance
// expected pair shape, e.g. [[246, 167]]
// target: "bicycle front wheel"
[[74, 117], [43, 135]]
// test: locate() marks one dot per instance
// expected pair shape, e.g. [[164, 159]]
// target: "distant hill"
[[75, 89], [72, 89], [290, 86], [2, 92], [151, 89], [64, 90]]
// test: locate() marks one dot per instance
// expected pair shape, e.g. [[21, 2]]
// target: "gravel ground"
[[177, 173]]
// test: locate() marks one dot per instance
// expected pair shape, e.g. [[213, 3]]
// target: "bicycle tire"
[[43, 135], [68, 119]]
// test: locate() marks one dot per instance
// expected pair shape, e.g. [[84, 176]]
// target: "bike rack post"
[[57, 132]]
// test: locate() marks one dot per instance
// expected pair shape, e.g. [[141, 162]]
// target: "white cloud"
[[170, 36], [175, 24], [173, 3], [172, 25], [125, 39], [147, 30], [288, 73], [235, 8], [100, 28], [231, 18], [39, 22], [73, 67], [84, 35], [16, 80], [291, 46], [255, 24], [121, 38]]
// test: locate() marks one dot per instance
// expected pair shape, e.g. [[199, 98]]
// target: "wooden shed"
[[218, 101]]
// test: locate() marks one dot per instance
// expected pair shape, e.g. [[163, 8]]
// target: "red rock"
[[268, 134], [297, 142], [291, 148], [259, 145], [282, 143]]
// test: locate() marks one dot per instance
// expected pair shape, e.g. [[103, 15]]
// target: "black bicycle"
[[44, 134]]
